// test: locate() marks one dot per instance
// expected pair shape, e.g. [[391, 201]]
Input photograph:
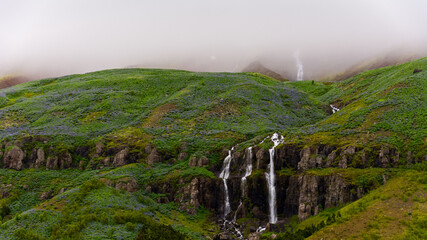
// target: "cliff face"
[[299, 191]]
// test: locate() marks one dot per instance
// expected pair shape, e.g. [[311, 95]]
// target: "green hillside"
[[167, 108], [189, 115], [382, 106]]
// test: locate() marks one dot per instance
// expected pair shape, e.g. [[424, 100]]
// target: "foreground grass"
[[395, 211], [86, 205]]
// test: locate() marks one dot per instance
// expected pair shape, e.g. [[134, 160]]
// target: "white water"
[[225, 173], [334, 109], [271, 178], [300, 70], [248, 171]]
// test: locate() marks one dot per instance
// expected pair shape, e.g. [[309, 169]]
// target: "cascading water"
[[300, 70], [248, 169], [270, 176], [225, 173], [334, 109]]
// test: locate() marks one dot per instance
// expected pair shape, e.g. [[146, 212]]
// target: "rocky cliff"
[[299, 191]]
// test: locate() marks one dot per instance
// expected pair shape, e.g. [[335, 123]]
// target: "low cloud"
[[50, 38]]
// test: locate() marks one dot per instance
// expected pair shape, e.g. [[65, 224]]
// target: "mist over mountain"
[[51, 38]]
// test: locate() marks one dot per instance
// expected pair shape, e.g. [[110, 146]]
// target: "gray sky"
[[53, 37]]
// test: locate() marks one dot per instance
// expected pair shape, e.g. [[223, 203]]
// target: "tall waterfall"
[[300, 70], [225, 173], [270, 176]]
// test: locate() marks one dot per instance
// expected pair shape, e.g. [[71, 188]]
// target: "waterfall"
[[300, 70], [270, 176], [248, 170], [334, 109], [225, 173]]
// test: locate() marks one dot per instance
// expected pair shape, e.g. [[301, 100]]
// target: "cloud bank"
[[49, 38]]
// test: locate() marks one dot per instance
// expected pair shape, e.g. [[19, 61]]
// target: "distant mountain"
[[10, 81], [259, 68], [379, 62]]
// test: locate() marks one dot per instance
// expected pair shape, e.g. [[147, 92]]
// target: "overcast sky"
[[57, 37]]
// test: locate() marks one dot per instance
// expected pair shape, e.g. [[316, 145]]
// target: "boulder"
[[203, 161], [127, 184], [99, 147], [120, 158], [13, 158], [62, 190], [40, 161], [45, 195], [106, 161], [153, 157], [254, 236]]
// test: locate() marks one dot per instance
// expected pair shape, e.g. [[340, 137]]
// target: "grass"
[[385, 106], [395, 211], [91, 209], [202, 114], [165, 108]]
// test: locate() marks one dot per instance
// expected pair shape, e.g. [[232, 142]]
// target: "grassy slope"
[[386, 105], [131, 107], [396, 210], [188, 107], [166, 107], [89, 208]]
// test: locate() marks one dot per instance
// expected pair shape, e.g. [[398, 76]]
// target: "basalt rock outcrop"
[[190, 194], [298, 193], [13, 158]]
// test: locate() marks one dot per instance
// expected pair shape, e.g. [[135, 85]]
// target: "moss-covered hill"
[[203, 114], [167, 108], [381, 106]]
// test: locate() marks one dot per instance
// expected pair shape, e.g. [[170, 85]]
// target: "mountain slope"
[[198, 109], [386, 105], [140, 152]]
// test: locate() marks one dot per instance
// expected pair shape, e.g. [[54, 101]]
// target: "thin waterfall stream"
[[271, 178], [225, 173], [300, 68]]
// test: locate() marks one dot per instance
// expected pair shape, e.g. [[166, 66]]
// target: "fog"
[[50, 38]]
